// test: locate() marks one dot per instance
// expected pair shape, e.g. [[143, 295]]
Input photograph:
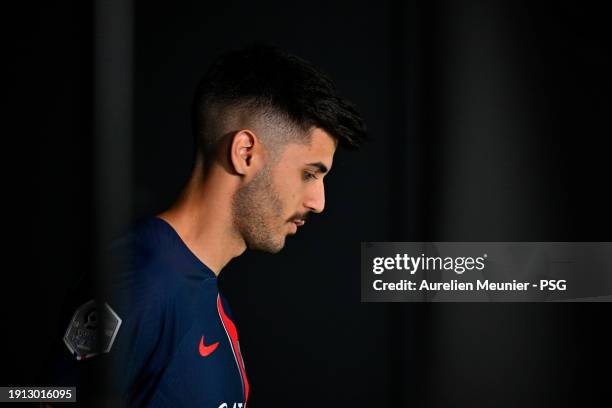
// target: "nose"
[[315, 198]]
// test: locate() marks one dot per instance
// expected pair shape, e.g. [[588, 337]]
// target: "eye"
[[308, 176]]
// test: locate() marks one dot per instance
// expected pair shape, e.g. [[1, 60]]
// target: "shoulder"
[[151, 263], [143, 269], [153, 269]]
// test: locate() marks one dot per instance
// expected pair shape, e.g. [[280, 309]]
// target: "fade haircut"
[[283, 93]]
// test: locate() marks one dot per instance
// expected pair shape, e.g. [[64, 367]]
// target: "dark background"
[[489, 121]]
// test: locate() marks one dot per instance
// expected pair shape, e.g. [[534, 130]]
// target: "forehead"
[[321, 148]]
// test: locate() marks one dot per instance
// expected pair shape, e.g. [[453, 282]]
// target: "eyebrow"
[[320, 167]]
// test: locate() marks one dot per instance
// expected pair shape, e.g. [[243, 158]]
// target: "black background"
[[488, 121]]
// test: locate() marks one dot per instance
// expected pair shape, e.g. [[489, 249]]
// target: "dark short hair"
[[264, 79]]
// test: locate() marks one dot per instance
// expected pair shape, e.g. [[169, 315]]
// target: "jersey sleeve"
[[121, 364], [142, 297]]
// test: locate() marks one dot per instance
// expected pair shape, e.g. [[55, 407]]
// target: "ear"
[[245, 152]]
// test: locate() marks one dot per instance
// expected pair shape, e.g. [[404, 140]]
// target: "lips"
[[295, 224]]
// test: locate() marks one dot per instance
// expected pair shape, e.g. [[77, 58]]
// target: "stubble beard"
[[257, 209]]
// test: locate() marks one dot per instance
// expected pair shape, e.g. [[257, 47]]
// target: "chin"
[[274, 249], [270, 245]]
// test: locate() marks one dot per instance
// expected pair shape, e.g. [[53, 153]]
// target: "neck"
[[202, 217]]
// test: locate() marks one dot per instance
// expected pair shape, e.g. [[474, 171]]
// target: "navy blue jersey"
[[173, 341]]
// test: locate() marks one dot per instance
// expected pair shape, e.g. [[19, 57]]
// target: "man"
[[266, 128]]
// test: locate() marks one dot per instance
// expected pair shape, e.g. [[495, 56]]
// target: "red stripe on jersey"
[[233, 333]]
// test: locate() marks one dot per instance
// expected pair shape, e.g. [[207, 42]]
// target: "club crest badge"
[[92, 331]]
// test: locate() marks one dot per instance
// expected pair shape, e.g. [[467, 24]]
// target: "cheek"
[[288, 194], [294, 198], [289, 191]]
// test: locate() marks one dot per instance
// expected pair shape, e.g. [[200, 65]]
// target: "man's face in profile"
[[277, 201]]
